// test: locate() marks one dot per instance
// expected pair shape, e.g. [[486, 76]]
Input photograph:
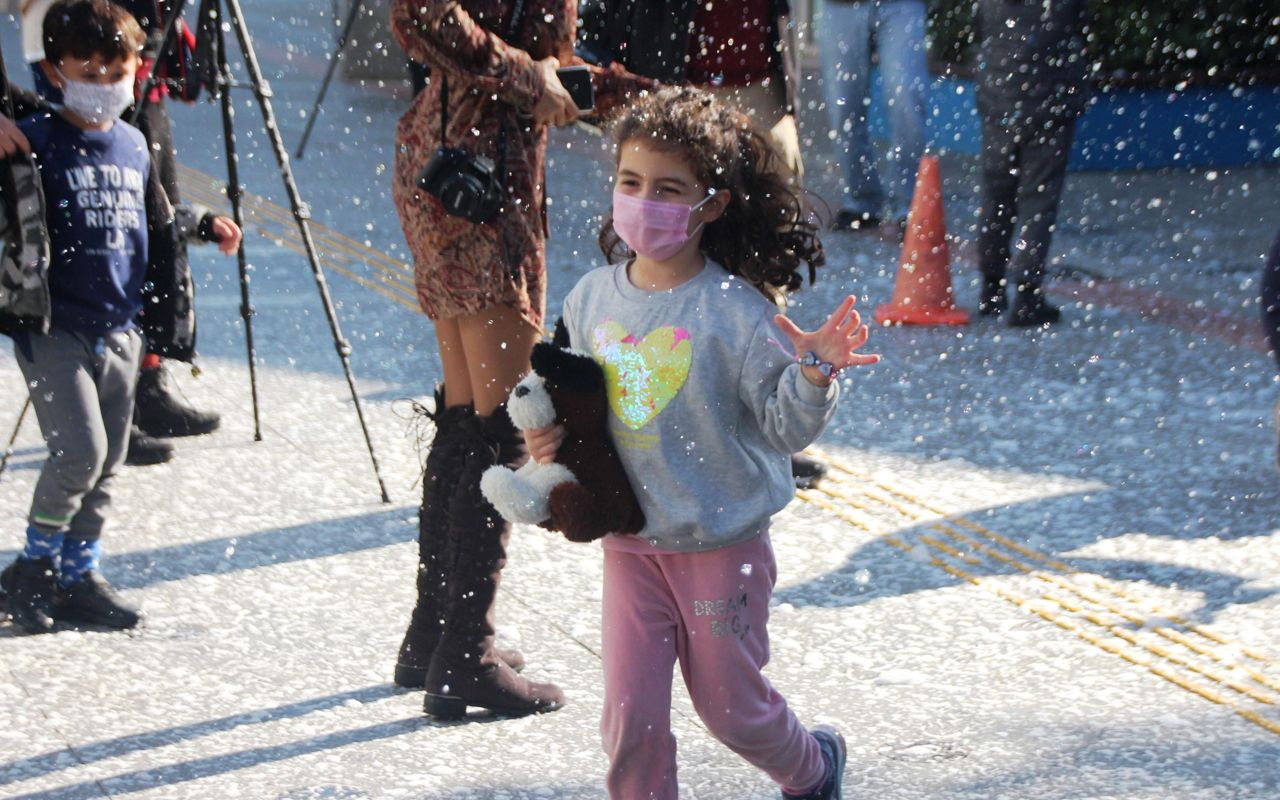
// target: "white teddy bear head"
[[530, 405]]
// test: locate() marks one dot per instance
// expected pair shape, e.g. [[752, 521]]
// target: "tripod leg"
[[234, 194], [301, 213], [328, 75], [17, 426]]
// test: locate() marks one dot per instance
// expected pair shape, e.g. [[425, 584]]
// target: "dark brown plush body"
[[602, 502]]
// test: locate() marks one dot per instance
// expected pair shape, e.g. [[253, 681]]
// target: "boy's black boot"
[[159, 410], [1031, 309], [146, 450], [92, 601], [466, 669], [32, 586], [834, 753], [993, 301], [439, 481]]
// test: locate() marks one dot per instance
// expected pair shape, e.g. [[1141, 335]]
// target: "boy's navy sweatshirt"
[[94, 183]]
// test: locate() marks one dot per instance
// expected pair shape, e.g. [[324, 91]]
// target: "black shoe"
[[31, 586], [159, 410], [145, 450], [1031, 310], [91, 600], [834, 753], [806, 470], [993, 301], [857, 221]]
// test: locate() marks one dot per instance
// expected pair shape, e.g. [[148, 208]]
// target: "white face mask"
[[96, 103]]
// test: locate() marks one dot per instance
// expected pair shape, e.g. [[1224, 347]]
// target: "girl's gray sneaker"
[[834, 753]]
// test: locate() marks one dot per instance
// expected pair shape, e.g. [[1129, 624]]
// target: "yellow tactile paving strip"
[[1099, 611], [389, 277]]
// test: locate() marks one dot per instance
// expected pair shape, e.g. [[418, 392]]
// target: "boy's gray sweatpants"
[[82, 389]]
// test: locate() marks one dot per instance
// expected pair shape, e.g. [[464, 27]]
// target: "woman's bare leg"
[[496, 344], [453, 362]]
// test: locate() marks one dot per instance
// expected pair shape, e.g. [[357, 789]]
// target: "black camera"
[[467, 185]]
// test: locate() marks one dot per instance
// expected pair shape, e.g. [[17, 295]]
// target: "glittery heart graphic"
[[642, 375]]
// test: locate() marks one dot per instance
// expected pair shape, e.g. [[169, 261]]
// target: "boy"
[[94, 171], [159, 409]]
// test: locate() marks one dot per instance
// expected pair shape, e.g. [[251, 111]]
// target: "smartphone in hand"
[[577, 81]]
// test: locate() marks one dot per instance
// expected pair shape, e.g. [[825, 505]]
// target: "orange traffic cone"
[[922, 293]]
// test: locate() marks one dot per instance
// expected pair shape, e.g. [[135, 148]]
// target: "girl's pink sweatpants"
[[709, 611]]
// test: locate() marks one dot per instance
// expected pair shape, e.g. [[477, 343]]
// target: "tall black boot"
[[439, 480], [444, 465], [466, 669]]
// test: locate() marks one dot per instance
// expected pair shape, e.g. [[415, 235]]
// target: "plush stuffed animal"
[[584, 493]]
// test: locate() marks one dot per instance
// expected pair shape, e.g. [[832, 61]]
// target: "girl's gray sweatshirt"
[[707, 402]]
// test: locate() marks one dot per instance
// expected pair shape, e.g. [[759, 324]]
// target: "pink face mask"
[[652, 228]]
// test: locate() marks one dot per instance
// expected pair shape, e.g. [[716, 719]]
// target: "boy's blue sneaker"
[[91, 600], [32, 586], [833, 753]]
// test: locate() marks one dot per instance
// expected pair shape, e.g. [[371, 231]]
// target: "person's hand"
[[555, 106], [227, 234], [12, 141], [543, 443], [836, 342]]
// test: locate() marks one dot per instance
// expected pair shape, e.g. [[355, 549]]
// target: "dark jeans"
[[1022, 179]]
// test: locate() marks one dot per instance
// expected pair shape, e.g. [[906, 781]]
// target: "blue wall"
[[1131, 128]]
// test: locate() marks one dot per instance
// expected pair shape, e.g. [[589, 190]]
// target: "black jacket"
[[652, 39], [168, 317]]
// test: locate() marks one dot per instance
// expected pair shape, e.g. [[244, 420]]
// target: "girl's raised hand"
[[836, 342]]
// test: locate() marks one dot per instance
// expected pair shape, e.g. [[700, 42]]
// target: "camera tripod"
[[352, 14], [219, 80]]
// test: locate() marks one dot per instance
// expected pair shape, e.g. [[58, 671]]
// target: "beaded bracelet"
[[810, 359]]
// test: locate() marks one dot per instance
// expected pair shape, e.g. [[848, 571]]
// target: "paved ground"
[[1047, 563]]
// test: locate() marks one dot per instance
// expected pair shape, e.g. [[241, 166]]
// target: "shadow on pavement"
[[878, 569], [170, 774], [1118, 754], [331, 537], [46, 763]]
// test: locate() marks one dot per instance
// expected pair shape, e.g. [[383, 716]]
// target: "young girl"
[[708, 403]]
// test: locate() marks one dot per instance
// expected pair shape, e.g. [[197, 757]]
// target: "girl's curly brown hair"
[[766, 231]]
